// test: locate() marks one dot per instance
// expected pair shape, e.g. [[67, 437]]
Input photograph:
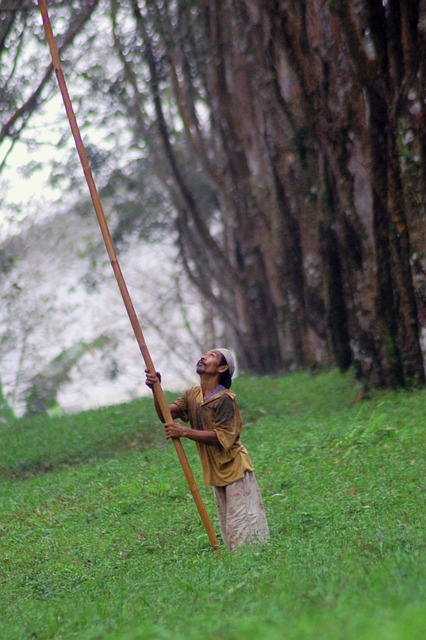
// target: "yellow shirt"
[[228, 461]]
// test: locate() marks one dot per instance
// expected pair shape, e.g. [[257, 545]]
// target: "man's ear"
[[223, 368]]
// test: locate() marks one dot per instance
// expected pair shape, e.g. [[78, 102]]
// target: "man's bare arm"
[[176, 430], [149, 381], [174, 410]]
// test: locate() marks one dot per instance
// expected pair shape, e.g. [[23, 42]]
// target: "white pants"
[[241, 513]]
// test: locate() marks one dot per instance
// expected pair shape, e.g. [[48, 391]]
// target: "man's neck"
[[208, 384]]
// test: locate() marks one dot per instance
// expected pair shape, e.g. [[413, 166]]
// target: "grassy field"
[[100, 538]]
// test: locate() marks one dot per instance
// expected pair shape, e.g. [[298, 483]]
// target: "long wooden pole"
[[158, 391]]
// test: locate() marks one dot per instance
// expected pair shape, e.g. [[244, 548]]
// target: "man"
[[212, 411]]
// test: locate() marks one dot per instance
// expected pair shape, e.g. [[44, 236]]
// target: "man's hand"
[[174, 430], [151, 379]]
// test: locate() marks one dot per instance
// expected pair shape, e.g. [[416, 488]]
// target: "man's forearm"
[[174, 410], [205, 437], [158, 410]]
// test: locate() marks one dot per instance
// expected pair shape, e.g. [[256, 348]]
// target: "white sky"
[[30, 192]]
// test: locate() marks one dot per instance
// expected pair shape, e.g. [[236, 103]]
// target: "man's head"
[[218, 362], [228, 359]]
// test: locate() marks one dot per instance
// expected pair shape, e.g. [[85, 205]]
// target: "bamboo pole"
[[158, 391]]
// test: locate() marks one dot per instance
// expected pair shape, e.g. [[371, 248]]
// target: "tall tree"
[[308, 104], [357, 71]]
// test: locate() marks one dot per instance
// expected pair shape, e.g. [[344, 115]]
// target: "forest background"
[[263, 168]]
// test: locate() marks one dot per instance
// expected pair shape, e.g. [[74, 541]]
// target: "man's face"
[[209, 364]]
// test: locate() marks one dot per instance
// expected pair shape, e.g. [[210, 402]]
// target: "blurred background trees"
[[280, 144]]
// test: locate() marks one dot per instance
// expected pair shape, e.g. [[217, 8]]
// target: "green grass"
[[100, 538]]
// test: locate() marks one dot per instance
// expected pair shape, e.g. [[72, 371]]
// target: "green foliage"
[[100, 537], [41, 394], [6, 412], [7, 261]]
